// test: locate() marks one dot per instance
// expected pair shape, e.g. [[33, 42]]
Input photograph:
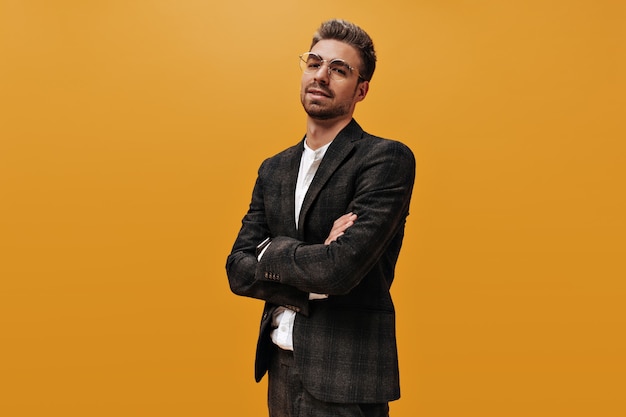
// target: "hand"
[[340, 226]]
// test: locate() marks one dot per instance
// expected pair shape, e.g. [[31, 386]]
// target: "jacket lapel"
[[288, 188], [338, 150]]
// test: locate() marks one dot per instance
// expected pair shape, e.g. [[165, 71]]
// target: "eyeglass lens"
[[337, 68]]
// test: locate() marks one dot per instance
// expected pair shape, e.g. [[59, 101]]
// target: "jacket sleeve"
[[242, 264], [381, 202]]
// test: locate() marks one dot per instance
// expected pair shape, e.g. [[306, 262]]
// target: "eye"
[[340, 68], [313, 64], [313, 61]]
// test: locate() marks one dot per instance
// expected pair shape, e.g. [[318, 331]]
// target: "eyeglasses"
[[338, 69]]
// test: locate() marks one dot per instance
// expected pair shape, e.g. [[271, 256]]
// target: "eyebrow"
[[343, 61]]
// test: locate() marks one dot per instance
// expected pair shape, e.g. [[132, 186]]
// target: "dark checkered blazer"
[[344, 346]]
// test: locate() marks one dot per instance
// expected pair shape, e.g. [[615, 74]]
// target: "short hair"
[[351, 34]]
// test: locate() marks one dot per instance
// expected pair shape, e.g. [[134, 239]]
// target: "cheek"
[[345, 94], [304, 82]]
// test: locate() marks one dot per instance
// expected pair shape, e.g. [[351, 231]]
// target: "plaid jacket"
[[344, 346]]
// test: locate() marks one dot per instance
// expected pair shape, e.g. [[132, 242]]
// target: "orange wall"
[[130, 135]]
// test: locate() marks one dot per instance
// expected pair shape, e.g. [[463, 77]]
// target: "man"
[[320, 241]]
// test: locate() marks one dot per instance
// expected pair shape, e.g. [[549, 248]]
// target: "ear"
[[361, 90]]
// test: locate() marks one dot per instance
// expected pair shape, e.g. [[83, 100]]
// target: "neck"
[[322, 132]]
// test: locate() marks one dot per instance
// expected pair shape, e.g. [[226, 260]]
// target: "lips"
[[316, 91]]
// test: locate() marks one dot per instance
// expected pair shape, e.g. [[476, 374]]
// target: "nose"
[[323, 74]]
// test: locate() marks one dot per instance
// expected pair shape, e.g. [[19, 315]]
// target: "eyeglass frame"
[[328, 62]]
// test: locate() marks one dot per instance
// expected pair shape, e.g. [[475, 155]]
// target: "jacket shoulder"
[[282, 157], [373, 144]]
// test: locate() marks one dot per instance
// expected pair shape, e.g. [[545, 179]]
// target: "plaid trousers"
[[288, 398]]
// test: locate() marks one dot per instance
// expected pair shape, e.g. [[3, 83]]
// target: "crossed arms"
[[291, 269]]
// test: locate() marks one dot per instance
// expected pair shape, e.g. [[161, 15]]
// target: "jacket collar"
[[337, 152]]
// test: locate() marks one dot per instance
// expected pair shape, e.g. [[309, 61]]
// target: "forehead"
[[334, 49]]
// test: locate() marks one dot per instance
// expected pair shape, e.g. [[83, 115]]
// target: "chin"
[[323, 115]]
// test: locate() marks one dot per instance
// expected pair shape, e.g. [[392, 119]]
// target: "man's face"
[[324, 98]]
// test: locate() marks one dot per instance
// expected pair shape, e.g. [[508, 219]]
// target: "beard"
[[320, 109], [319, 112]]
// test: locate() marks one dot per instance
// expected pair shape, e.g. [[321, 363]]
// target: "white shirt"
[[283, 318]]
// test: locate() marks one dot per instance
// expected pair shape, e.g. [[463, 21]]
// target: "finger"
[[340, 228], [332, 238], [346, 217], [345, 221]]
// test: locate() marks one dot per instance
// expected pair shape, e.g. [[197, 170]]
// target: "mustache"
[[316, 86]]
